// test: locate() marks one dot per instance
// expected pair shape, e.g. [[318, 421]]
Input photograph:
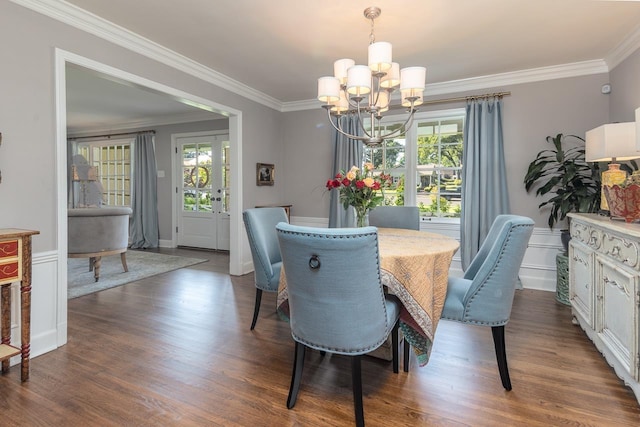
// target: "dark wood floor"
[[176, 350]]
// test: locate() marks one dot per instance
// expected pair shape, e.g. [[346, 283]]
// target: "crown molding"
[[518, 77], [306, 104], [93, 24], [629, 45], [492, 81]]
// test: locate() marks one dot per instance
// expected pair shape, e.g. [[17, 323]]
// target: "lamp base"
[[613, 176]]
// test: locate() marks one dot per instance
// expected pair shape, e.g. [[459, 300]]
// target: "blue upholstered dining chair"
[[336, 300], [484, 295], [260, 224], [395, 217]]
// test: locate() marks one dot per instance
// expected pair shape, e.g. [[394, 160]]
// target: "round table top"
[[397, 242]]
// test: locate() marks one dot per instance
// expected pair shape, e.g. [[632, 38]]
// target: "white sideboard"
[[604, 289]]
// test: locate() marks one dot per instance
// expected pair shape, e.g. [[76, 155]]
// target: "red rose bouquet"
[[360, 189]]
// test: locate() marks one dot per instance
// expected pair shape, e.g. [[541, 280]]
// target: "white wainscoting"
[[46, 310], [538, 269]]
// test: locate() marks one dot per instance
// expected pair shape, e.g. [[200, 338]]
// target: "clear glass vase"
[[362, 219]]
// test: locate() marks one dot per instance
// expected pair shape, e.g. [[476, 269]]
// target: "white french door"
[[203, 219]]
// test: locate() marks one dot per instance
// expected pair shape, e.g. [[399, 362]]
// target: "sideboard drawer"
[[10, 266], [9, 249], [9, 272]]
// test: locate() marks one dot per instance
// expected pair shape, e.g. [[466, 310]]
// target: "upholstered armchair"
[[336, 299], [484, 295], [260, 224], [395, 217], [96, 232]]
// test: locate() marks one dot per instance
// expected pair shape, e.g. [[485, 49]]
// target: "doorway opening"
[[62, 59]]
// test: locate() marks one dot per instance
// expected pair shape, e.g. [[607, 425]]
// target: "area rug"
[[141, 264]]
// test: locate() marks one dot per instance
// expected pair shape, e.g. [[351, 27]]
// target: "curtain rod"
[[468, 98], [460, 98], [108, 136]]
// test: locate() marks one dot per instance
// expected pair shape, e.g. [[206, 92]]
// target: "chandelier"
[[365, 90]]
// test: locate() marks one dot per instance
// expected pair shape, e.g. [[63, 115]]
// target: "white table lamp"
[[612, 142]]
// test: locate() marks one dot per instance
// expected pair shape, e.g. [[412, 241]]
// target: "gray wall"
[[625, 89], [28, 116], [298, 143], [531, 112]]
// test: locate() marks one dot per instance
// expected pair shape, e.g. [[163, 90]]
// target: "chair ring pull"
[[314, 262]]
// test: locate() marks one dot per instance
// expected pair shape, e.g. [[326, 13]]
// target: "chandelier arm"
[[352, 100], [402, 128], [362, 127], [338, 128], [373, 98]]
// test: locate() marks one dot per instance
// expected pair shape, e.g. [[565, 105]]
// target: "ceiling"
[[280, 48], [101, 103]]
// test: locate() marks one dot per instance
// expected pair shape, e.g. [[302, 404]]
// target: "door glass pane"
[[226, 177], [188, 200], [197, 174], [204, 204], [206, 177]]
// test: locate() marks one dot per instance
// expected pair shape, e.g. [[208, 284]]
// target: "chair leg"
[[97, 262], [123, 260], [356, 379], [406, 347], [256, 308], [296, 375], [394, 345], [501, 355]]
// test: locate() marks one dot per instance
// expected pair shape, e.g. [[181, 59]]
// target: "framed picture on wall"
[[264, 174]]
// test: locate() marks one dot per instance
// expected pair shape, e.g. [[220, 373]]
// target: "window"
[[113, 161], [432, 149], [390, 158]]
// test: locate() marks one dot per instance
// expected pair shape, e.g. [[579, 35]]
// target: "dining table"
[[414, 266]]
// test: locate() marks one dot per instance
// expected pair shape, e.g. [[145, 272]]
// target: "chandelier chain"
[[372, 36], [372, 13]]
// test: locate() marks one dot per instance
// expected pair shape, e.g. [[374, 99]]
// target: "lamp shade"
[[359, 80], [392, 78], [341, 105], [611, 141], [328, 89], [340, 68], [380, 56], [382, 101], [413, 78], [411, 97]]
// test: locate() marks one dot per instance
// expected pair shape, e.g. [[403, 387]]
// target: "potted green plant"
[[563, 173]]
